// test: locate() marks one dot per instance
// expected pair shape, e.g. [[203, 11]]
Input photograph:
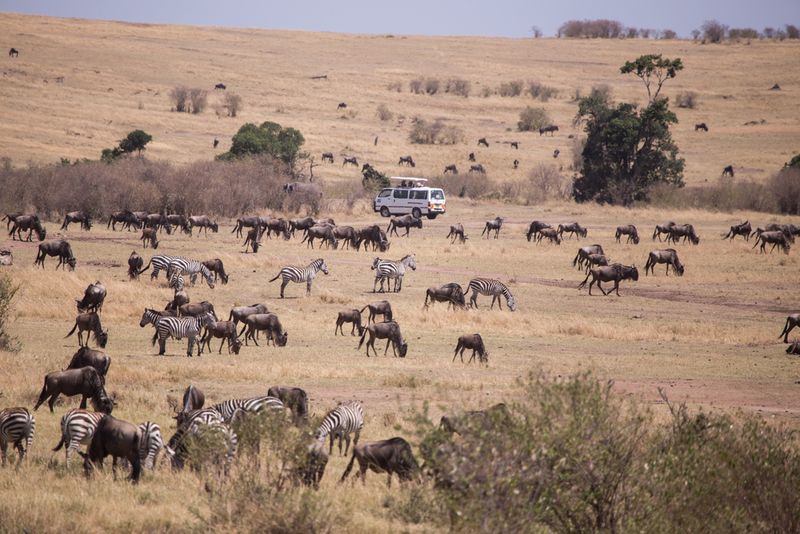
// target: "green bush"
[[7, 292], [531, 119], [269, 138]]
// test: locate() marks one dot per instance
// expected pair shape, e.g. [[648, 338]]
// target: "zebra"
[[192, 268], [346, 418], [200, 423], [301, 274], [77, 427], [151, 443], [229, 409], [176, 327], [160, 262], [495, 288], [16, 424], [176, 280], [387, 269]]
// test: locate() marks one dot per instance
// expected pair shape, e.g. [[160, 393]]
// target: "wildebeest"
[[327, 156], [268, 322], [483, 142], [89, 322], [515, 144], [700, 126], [77, 217], [662, 229], [583, 255], [349, 316], [246, 222], [31, 223], [202, 222], [179, 298], [612, 273], [495, 224], [215, 143], [630, 231], [149, 235], [534, 228], [792, 321], [474, 342], [552, 129], [224, 330], [279, 226], [301, 224], [193, 399], [253, 239], [10, 218], [196, 309], [293, 398], [118, 439], [572, 228], [794, 348], [158, 221], [312, 467], [179, 221], [135, 263], [556, 152], [323, 233], [728, 171], [475, 419], [13, 52], [85, 381], [216, 267], [406, 221], [373, 235], [92, 358], [220, 86], [743, 229], [477, 168], [388, 330], [388, 456], [515, 164], [407, 160], [240, 312], [595, 260], [347, 235], [342, 105], [126, 217], [471, 156], [350, 161], [668, 256], [381, 307], [685, 231], [93, 298], [451, 293], [776, 238], [451, 169], [549, 233], [457, 232]]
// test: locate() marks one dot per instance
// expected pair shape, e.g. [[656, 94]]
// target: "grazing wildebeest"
[[662, 229], [685, 231], [668, 256], [792, 321], [31, 223], [279, 226], [158, 221], [216, 267], [10, 218], [471, 156], [13, 53], [342, 105], [381, 307], [350, 161], [776, 239], [197, 309], [495, 224], [556, 152], [515, 164], [135, 263], [224, 330], [202, 222], [253, 239], [534, 228], [293, 398], [407, 160], [483, 142], [572, 228], [240, 312], [594, 260], [6, 258], [406, 221], [744, 229], [475, 420], [457, 232], [118, 439], [311, 468], [451, 169], [93, 298], [89, 322], [789, 229], [180, 298], [388, 330], [346, 234], [349, 316], [220, 86], [583, 255], [301, 224], [612, 273], [630, 231], [549, 233], [728, 171], [58, 248], [794, 348], [327, 156], [125, 217], [515, 144], [85, 381], [324, 234], [388, 456], [91, 358], [246, 222], [552, 129], [268, 322], [372, 235], [700, 126], [77, 217], [474, 342], [149, 235], [176, 221], [451, 293], [477, 168]]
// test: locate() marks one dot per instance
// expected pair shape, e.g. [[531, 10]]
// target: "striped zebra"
[[205, 424], [77, 427], [493, 288], [175, 327], [228, 409], [160, 262], [301, 274], [346, 418], [176, 281], [388, 270], [191, 268], [16, 425], [151, 444]]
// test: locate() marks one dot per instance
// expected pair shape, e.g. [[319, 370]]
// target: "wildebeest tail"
[[583, 284], [349, 466], [363, 336], [785, 328], [73, 329]]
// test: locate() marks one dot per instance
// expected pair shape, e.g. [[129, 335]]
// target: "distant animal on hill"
[[700, 126], [220, 86], [483, 142], [216, 142], [350, 161], [477, 168], [451, 169], [552, 129], [327, 156], [516, 164], [342, 105], [728, 171], [407, 160], [13, 53], [471, 156], [515, 144]]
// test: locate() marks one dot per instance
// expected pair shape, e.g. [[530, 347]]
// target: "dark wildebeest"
[[350, 161], [388, 456], [451, 169], [179, 221], [215, 143], [728, 171], [220, 86], [388, 330], [118, 439], [407, 160], [312, 468], [253, 239], [349, 316], [515, 144], [685, 231], [552, 129], [31, 223], [794, 348], [327, 156], [373, 235], [125, 217], [149, 235], [224, 330], [91, 358], [583, 254], [662, 229], [85, 381], [158, 221], [77, 217], [193, 399], [197, 309], [556, 152], [572, 228], [475, 419], [471, 157], [495, 224], [483, 142], [668, 256], [93, 298], [630, 231], [323, 233], [246, 222], [776, 239], [549, 233], [239, 313], [295, 399], [474, 342], [58, 248], [135, 263], [10, 218], [279, 226], [180, 298], [534, 228], [301, 224], [451, 293], [216, 267], [346, 234], [700, 126], [381, 307], [595, 260], [457, 232], [744, 229], [477, 168], [515, 164], [202, 222], [791, 321], [406, 221], [89, 322], [342, 105], [13, 53], [789, 229], [268, 322], [612, 273]]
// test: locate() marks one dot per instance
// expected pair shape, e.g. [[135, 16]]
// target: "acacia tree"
[[628, 150]]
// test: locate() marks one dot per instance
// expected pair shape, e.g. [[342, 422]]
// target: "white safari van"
[[410, 195]]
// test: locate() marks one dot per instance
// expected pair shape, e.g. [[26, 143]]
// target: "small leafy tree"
[[653, 69], [135, 141], [269, 138], [7, 292], [373, 178]]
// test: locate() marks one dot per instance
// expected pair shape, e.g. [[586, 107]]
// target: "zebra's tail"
[[155, 337], [276, 277], [60, 444], [72, 331], [349, 467]]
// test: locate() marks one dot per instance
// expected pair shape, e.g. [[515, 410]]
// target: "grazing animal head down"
[[512, 303]]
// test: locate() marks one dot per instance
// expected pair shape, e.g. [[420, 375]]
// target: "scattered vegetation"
[[269, 138], [188, 100], [384, 113], [7, 292], [429, 86], [458, 86], [232, 104], [512, 88], [198, 99], [713, 31], [594, 29], [424, 132], [543, 183], [135, 141], [541, 91], [395, 86], [686, 99], [531, 119]]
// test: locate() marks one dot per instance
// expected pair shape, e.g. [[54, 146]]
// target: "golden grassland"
[[117, 77]]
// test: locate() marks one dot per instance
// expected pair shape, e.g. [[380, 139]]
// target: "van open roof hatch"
[[410, 180]]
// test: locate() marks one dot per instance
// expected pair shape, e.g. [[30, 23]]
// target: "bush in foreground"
[[7, 292]]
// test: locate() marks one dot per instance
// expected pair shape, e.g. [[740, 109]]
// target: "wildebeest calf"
[[349, 316], [135, 263], [381, 307], [457, 232], [118, 439]]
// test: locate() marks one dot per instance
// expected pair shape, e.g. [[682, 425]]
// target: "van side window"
[[419, 195], [401, 193], [385, 193]]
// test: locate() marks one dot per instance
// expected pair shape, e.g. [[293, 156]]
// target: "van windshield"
[[385, 193], [437, 194]]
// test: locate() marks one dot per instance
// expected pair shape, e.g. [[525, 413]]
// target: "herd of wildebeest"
[[140, 445]]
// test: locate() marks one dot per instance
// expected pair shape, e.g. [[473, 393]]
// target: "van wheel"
[[385, 211], [416, 213], [432, 216]]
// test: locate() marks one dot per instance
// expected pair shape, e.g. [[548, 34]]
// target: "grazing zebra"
[[176, 280], [386, 270], [160, 262], [493, 288], [340, 422], [191, 268], [200, 423], [301, 274], [229, 408], [151, 444], [176, 327], [16, 425], [77, 427]]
